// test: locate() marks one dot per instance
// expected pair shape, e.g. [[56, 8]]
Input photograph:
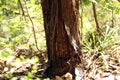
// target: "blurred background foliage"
[[15, 26], [108, 16]]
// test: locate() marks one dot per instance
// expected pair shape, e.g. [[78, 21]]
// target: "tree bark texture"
[[62, 35]]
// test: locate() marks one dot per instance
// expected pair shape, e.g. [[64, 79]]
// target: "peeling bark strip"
[[62, 35]]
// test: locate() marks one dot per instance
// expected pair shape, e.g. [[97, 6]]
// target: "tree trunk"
[[62, 35]]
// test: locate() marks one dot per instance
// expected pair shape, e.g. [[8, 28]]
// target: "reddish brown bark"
[[62, 35]]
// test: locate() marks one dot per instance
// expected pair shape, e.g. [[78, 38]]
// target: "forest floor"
[[97, 66]]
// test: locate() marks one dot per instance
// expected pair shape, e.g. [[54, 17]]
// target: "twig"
[[112, 16], [95, 17], [23, 12], [33, 29]]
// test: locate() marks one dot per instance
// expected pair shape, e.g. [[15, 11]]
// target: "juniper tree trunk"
[[62, 35]]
